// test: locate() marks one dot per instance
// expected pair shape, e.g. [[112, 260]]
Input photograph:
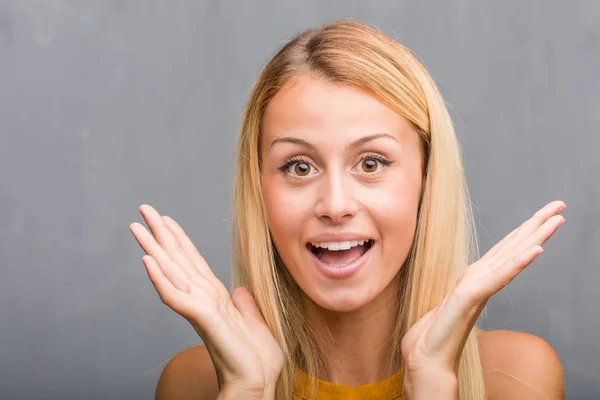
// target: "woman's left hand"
[[432, 347]]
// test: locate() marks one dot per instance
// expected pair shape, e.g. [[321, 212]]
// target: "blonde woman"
[[353, 245]]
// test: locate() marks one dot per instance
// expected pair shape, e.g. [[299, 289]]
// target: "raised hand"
[[242, 348], [434, 344]]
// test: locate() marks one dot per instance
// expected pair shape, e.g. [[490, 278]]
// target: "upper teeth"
[[340, 245]]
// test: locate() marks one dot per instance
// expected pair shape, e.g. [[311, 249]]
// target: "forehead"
[[311, 104]]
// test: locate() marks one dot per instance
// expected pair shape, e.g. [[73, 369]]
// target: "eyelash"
[[294, 160], [369, 156]]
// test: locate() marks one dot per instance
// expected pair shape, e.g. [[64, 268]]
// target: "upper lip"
[[338, 237]]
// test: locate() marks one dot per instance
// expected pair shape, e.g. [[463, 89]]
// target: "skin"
[[342, 192], [340, 195], [516, 365]]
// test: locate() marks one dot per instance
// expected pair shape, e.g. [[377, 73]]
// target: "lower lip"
[[345, 271]]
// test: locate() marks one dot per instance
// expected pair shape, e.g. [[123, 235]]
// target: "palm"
[[441, 333], [239, 342], [245, 338]]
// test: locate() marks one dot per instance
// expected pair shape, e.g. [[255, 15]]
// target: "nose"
[[336, 199]]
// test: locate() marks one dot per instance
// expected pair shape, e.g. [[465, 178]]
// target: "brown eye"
[[369, 165], [301, 169], [297, 167]]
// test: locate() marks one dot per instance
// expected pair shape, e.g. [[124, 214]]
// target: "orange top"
[[389, 388]]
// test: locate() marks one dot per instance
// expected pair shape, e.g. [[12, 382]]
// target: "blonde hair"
[[351, 53]]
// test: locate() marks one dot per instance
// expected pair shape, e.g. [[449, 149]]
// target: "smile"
[[344, 262], [339, 254]]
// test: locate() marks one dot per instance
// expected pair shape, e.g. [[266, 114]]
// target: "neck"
[[359, 344]]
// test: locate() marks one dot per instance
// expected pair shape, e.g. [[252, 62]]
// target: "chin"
[[344, 299]]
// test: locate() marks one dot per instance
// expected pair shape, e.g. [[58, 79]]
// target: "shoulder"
[[189, 374], [519, 365]]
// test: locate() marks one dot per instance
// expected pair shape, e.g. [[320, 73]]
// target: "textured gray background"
[[105, 105]]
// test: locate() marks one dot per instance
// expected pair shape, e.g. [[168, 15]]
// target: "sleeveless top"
[[389, 388]]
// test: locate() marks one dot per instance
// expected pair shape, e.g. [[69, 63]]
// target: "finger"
[[210, 326], [456, 318], [246, 304], [449, 325], [545, 231], [207, 321], [451, 328], [202, 318], [168, 293], [163, 236], [537, 238], [538, 219], [506, 268], [186, 263], [191, 252], [498, 247], [169, 269], [518, 234], [415, 331], [502, 276]]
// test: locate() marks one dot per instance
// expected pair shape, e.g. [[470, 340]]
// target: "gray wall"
[[105, 105]]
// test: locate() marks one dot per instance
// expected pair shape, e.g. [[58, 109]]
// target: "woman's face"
[[338, 168]]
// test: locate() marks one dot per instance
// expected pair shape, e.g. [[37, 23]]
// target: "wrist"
[[432, 385], [250, 392]]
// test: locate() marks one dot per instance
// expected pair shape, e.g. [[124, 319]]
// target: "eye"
[[297, 166], [372, 163], [300, 168]]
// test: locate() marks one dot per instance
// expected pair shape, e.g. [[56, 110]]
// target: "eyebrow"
[[357, 143]]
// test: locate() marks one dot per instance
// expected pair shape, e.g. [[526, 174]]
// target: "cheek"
[[285, 211], [394, 210], [273, 207]]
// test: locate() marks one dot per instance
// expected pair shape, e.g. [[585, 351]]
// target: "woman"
[[353, 236]]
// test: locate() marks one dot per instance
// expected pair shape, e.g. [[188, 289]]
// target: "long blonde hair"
[[351, 53]]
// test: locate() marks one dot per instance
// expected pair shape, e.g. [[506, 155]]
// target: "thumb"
[[244, 301], [416, 330]]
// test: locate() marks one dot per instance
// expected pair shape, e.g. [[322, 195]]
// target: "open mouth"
[[340, 253]]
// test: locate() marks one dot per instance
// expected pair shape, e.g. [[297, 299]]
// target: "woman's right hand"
[[243, 350]]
